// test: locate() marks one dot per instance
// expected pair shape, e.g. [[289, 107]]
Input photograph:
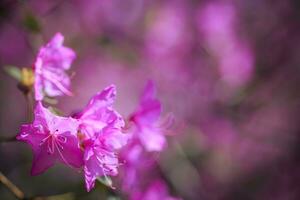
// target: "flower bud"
[[27, 80]]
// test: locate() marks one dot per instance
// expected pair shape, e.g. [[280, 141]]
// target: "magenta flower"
[[53, 139], [137, 164], [100, 129], [100, 156], [157, 190], [99, 113], [49, 68], [145, 120], [217, 25]]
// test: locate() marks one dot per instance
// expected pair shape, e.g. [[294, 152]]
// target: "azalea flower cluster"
[[147, 137], [93, 138]]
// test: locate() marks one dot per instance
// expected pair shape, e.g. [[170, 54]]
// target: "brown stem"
[[12, 187], [30, 104], [7, 139]]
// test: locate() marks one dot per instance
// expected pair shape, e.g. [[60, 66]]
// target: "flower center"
[[54, 141]]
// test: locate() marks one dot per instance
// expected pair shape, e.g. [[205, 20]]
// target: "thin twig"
[[29, 100], [8, 139], [12, 187]]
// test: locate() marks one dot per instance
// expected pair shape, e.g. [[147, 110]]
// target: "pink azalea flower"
[[99, 113], [136, 165], [53, 139], [156, 191], [145, 120], [100, 126], [49, 68], [100, 156]]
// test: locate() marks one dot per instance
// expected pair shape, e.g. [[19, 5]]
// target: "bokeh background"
[[228, 71]]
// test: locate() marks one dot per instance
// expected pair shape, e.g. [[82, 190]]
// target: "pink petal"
[[149, 109], [52, 139], [99, 113], [114, 138], [63, 124], [42, 160], [52, 61], [28, 135], [38, 83], [148, 113], [152, 139], [149, 91], [41, 115], [100, 101], [71, 154], [56, 41], [89, 179], [56, 83]]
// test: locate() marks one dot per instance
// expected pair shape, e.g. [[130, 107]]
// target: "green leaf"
[[55, 111], [14, 72], [113, 198], [32, 23], [104, 41], [65, 196], [50, 100], [106, 180]]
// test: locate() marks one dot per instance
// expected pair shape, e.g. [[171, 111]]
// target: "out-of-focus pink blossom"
[[53, 139], [100, 16], [145, 119], [100, 129], [167, 33], [52, 61], [146, 136], [156, 191], [217, 23], [136, 163]]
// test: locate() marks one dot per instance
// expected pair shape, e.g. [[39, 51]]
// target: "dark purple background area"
[[229, 71]]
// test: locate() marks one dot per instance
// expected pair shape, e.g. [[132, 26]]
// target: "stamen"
[[44, 140], [51, 145], [62, 139], [52, 79], [61, 155]]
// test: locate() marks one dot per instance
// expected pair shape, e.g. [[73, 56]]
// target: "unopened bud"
[[27, 80]]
